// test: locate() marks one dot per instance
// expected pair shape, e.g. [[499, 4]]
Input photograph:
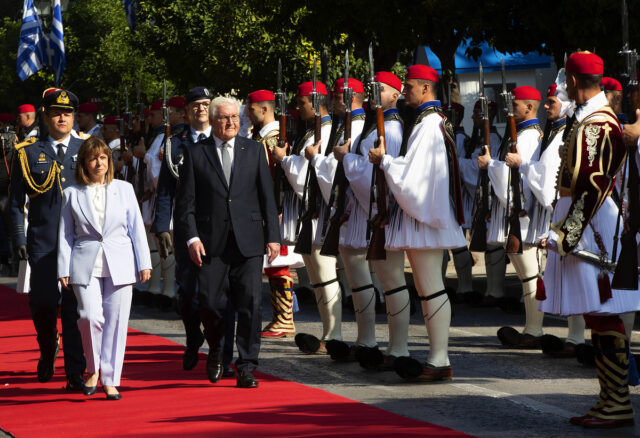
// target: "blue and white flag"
[[56, 42], [130, 10], [32, 47]]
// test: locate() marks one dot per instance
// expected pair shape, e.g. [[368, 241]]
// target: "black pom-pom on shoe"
[[338, 350], [307, 343], [407, 367], [370, 358]]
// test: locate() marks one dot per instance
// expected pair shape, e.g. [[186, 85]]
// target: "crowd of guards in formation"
[[366, 176]]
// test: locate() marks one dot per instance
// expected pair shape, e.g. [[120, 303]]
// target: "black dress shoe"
[[245, 379], [89, 390], [227, 371], [191, 356], [75, 382], [46, 365], [214, 368]]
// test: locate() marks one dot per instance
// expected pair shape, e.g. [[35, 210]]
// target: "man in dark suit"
[[40, 170], [226, 209]]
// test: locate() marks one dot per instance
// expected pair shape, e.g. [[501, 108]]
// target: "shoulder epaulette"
[[24, 144], [83, 135]]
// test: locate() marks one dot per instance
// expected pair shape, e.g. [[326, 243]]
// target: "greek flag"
[[130, 10], [32, 47], [56, 42]]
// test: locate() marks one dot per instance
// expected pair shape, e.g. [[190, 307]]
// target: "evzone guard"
[[583, 224], [390, 270], [519, 145], [427, 163], [321, 269], [260, 109]]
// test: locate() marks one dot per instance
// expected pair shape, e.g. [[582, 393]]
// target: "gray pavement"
[[494, 393]]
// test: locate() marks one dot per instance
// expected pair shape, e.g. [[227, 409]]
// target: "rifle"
[[304, 226], [512, 217], [340, 182], [478, 241], [137, 177], [281, 106], [376, 225], [626, 273]]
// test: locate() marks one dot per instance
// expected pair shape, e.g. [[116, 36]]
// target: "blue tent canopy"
[[490, 59]]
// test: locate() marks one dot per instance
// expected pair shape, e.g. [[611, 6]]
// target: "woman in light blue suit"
[[102, 251]]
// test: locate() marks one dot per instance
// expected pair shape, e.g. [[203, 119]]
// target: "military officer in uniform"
[[42, 170]]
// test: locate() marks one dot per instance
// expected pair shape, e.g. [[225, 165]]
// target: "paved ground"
[[494, 393]]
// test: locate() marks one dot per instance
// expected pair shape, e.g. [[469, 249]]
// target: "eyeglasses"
[[203, 105], [234, 118]]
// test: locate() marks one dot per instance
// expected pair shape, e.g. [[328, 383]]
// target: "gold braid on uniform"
[[53, 175]]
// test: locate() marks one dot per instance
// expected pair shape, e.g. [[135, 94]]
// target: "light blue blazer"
[[122, 239]]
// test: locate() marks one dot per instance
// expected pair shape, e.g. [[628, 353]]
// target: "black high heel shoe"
[[89, 390], [117, 396]]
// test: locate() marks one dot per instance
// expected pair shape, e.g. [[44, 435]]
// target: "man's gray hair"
[[222, 101]]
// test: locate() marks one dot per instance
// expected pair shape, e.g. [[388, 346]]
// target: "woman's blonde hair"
[[90, 147]]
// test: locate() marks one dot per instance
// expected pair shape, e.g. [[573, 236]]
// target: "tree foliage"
[[235, 45]]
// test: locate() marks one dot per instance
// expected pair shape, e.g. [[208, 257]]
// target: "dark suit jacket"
[[208, 208], [44, 209]]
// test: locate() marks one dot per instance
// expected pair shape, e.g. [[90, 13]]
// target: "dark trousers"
[[188, 303], [43, 302], [232, 277]]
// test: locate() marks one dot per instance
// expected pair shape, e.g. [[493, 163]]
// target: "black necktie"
[[60, 152], [202, 137]]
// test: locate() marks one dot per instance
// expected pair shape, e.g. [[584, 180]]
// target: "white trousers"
[[104, 317]]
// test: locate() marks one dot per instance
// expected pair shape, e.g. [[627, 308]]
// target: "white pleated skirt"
[[571, 284], [290, 210], [405, 232], [353, 233], [496, 225], [539, 224]]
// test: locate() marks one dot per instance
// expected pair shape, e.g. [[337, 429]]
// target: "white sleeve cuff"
[[193, 239]]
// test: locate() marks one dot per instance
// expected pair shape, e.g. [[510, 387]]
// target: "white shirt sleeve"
[[420, 180]]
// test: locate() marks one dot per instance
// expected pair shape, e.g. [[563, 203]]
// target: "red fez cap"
[[610, 84], [88, 107], [110, 120], [390, 79], [176, 102], [156, 106], [354, 84], [305, 88], [551, 91], [7, 118], [26, 108], [585, 63], [420, 71], [526, 92], [261, 96]]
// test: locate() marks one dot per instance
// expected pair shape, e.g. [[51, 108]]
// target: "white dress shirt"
[[65, 144], [218, 143], [195, 134], [98, 196]]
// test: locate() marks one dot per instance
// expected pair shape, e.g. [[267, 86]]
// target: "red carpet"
[[160, 399]]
